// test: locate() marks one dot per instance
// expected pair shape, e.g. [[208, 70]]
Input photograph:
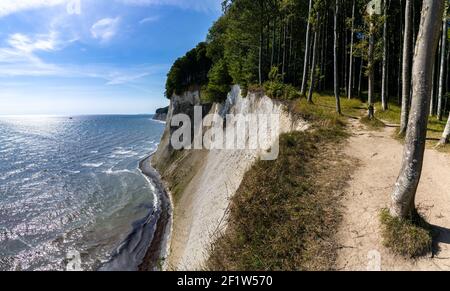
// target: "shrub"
[[275, 88]]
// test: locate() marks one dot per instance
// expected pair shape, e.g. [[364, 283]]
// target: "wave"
[[112, 172], [158, 121], [121, 152], [92, 165]]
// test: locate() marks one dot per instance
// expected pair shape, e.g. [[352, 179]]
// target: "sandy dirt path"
[[368, 192]]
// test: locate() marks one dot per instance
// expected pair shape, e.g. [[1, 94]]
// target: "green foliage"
[[192, 69], [275, 88], [219, 83]]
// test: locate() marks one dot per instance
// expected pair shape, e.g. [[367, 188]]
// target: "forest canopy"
[[299, 40]]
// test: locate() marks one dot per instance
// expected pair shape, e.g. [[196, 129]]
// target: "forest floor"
[[368, 192]]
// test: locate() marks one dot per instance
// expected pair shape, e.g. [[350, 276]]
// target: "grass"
[[324, 109], [286, 212], [435, 126], [410, 238], [374, 123]]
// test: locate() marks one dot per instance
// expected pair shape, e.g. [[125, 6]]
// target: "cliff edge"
[[161, 114], [202, 182]]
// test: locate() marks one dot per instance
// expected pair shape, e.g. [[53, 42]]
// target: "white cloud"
[[149, 19], [199, 5], [105, 29], [25, 44], [12, 6], [19, 58]]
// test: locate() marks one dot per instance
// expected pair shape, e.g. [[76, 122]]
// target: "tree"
[[406, 70], [335, 52], [370, 68], [352, 31], [403, 196], [306, 59], [442, 68], [384, 85], [446, 135], [313, 64]]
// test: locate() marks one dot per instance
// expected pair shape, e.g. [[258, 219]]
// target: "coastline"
[[156, 256], [203, 182]]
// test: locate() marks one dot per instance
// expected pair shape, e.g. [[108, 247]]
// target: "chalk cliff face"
[[203, 181], [161, 114]]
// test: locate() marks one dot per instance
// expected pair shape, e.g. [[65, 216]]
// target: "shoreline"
[[158, 251], [147, 247]]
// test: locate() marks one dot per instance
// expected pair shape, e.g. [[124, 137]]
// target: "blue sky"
[[67, 57]]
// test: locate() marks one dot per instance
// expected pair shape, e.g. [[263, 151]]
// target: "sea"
[[71, 192]]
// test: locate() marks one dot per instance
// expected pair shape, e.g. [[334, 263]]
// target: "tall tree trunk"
[[290, 49], [344, 50], [403, 196], [350, 75], [306, 60], [323, 80], [336, 75], [406, 72], [283, 67], [322, 54], [399, 71], [433, 86], [260, 56], [446, 135], [442, 69], [313, 63], [261, 41], [272, 56], [361, 68], [384, 81], [370, 65]]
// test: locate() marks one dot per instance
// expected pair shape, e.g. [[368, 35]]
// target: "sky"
[[69, 57]]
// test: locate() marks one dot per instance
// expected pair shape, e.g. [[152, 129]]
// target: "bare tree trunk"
[[370, 65], [446, 135], [361, 68], [344, 50], [336, 74], [290, 48], [350, 75], [403, 196], [442, 69], [325, 50], [322, 55], [432, 105], [313, 64], [306, 60], [272, 56], [283, 67], [261, 42], [384, 102], [260, 56], [406, 73], [399, 71]]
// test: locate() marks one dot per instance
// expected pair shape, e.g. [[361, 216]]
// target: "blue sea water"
[[71, 185]]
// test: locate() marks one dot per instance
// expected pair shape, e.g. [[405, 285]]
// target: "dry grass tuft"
[[410, 238]]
